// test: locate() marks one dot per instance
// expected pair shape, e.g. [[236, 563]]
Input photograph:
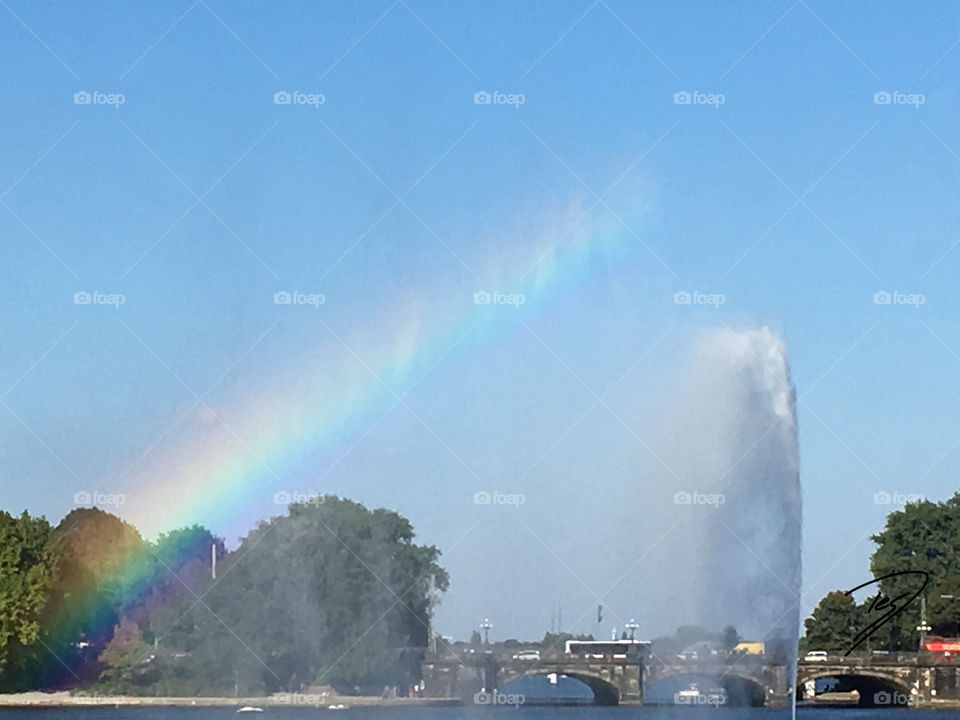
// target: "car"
[[816, 656], [527, 655]]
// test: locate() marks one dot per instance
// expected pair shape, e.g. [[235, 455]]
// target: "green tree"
[[834, 623], [26, 575], [922, 536]]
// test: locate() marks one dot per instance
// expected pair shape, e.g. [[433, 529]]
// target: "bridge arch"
[[874, 687], [604, 691], [742, 689]]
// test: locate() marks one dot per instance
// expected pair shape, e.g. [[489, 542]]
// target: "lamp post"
[[632, 626], [923, 628], [485, 626]]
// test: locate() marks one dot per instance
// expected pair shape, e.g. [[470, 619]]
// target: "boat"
[[249, 708], [338, 706]]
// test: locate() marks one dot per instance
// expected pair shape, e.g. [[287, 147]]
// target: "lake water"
[[477, 713]]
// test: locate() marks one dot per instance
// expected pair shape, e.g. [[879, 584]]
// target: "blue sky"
[[798, 199]]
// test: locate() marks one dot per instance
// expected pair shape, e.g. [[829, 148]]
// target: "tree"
[[26, 575], [922, 536], [352, 576], [729, 636], [834, 623], [103, 569]]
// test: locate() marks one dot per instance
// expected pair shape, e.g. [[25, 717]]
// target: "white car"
[[816, 656], [528, 655]]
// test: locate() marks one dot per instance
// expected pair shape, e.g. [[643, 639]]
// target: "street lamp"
[[485, 626], [632, 626]]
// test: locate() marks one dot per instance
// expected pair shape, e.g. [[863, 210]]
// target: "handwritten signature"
[[893, 606]]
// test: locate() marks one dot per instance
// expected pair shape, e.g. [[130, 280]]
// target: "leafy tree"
[[922, 536], [103, 567], [834, 623], [26, 574], [730, 637]]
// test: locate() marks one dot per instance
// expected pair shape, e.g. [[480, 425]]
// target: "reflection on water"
[[478, 713]]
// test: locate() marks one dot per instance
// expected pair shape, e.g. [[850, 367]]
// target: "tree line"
[[329, 593], [923, 536]]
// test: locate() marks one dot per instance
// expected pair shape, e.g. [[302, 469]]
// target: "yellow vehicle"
[[749, 648]]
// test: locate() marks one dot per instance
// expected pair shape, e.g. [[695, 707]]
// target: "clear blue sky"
[[197, 198]]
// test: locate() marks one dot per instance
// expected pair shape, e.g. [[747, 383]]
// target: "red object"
[[934, 643]]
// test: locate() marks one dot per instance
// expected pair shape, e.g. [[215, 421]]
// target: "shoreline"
[[65, 699]]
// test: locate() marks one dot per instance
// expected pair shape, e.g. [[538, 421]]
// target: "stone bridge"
[[907, 679], [613, 682]]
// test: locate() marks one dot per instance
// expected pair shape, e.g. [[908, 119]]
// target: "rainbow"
[[203, 478]]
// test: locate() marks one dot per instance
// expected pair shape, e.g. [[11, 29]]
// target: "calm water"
[[478, 713]]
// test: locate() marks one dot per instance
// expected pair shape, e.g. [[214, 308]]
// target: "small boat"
[[692, 692], [338, 706], [249, 708]]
